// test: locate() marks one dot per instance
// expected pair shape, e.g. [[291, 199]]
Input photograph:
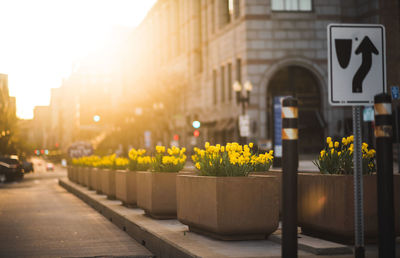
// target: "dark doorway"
[[301, 83]]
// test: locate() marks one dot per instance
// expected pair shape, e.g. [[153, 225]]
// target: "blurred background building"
[[149, 84], [280, 46], [8, 118]]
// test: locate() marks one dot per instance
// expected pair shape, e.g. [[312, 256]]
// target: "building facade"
[[8, 118], [280, 46]]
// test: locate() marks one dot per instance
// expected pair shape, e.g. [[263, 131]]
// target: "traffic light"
[[96, 118], [196, 133], [196, 124]]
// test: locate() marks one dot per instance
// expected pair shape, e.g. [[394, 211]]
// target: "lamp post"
[[243, 100]]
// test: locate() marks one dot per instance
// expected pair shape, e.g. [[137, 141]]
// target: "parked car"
[[10, 169], [50, 167], [27, 166]]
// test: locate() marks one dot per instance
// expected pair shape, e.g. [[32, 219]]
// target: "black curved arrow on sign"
[[366, 47]]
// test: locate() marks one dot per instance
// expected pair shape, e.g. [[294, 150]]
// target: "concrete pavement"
[[38, 218]]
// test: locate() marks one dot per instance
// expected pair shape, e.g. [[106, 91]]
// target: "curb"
[[169, 238]]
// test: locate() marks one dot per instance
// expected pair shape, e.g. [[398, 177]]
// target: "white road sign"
[[356, 63], [244, 126]]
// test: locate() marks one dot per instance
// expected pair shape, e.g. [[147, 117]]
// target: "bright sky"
[[40, 39]]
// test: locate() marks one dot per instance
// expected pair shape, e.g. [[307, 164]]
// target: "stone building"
[[88, 104], [280, 46]]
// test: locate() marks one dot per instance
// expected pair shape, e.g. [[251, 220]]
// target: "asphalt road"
[[38, 218]]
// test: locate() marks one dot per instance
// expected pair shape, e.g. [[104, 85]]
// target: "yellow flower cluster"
[[134, 154], [230, 160], [86, 161], [137, 160], [173, 162], [337, 158], [111, 162], [121, 163], [160, 149], [262, 158]]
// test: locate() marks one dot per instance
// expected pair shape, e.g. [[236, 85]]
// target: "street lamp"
[[244, 100], [96, 118], [240, 98]]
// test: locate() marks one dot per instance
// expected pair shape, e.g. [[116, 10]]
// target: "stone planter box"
[[86, 175], [93, 174], [80, 175], [326, 206], [75, 174], [108, 183], [278, 174], [156, 194], [99, 187], [69, 172], [125, 187], [229, 208]]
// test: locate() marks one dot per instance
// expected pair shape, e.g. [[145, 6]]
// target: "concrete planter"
[[278, 174], [80, 175], [229, 208], [99, 176], [108, 183], [75, 174], [326, 206], [69, 172], [86, 176], [125, 187], [93, 174], [156, 194]]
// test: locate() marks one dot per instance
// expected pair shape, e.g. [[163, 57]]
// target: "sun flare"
[[40, 40]]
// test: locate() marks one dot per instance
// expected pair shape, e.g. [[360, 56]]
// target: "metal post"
[[290, 161], [396, 113], [358, 185], [384, 158]]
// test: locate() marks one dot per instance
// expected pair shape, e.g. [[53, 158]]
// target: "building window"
[[230, 8], [213, 16], [222, 84], [214, 74], [224, 13], [237, 8], [239, 70], [230, 82], [291, 5]]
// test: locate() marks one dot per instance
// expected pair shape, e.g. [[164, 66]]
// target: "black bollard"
[[290, 162], [384, 158]]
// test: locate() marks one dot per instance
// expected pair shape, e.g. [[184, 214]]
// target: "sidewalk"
[[170, 238], [40, 219]]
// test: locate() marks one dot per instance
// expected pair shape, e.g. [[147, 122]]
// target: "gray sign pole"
[[358, 185]]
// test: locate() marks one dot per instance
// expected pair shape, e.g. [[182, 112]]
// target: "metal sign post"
[[357, 72], [358, 185], [396, 96]]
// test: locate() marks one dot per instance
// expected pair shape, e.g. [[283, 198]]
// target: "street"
[[38, 218]]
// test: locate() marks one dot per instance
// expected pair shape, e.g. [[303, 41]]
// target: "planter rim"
[[333, 175], [156, 172], [229, 177]]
